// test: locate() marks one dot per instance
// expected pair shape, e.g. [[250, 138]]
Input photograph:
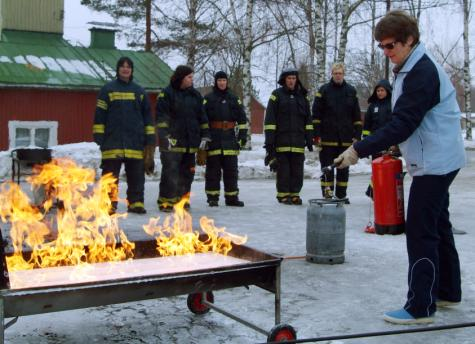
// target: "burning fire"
[[176, 235], [82, 231]]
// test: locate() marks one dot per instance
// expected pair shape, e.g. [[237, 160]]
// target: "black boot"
[[234, 202], [284, 200], [213, 203], [296, 200]]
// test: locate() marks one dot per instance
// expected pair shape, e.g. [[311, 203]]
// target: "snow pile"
[[251, 163]]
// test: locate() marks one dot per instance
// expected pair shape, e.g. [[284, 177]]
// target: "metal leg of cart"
[[2, 320], [277, 296], [278, 332]]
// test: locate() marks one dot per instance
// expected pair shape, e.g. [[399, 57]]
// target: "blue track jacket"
[[426, 119]]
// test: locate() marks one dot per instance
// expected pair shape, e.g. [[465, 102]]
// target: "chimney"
[[103, 35]]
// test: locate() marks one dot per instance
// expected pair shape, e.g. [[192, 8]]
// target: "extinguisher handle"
[[329, 168]]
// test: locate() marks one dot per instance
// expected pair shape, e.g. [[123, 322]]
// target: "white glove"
[[204, 143], [347, 158]]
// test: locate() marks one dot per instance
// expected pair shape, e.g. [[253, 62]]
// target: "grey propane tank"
[[326, 223]]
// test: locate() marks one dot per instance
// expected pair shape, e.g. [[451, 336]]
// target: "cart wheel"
[[194, 302], [281, 333]]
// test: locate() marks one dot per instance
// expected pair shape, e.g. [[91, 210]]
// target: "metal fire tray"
[[259, 269]]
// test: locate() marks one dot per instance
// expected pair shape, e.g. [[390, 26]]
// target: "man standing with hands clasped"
[[337, 123], [225, 112], [288, 130], [182, 129], [426, 125]]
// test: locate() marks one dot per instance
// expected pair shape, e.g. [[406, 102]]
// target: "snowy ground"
[[318, 300]]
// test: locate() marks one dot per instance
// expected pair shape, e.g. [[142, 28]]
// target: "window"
[[32, 133]]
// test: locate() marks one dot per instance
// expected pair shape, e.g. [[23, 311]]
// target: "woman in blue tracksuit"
[[426, 125]]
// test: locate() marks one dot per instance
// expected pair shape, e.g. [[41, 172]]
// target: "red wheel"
[[195, 305], [282, 333]]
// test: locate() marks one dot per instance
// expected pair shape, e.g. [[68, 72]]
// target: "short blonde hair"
[[338, 65]]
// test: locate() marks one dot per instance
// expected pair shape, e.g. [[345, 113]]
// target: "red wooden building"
[[48, 87]]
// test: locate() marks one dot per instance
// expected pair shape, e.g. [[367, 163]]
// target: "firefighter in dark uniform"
[[182, 128], [337, 123], [379, 110], [288, 130], [123, 129], [225, 112]]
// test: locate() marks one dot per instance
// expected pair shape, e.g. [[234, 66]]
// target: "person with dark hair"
[[379, 109], [124, 130], [426, 124], [377, 115], [337, 121], [225, 113], [288, 130], [182, 128]]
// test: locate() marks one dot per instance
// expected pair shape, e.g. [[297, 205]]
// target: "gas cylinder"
[[388, 195], [326, 223]]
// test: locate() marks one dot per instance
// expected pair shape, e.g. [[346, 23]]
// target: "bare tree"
[[346, 12], [466, 4]]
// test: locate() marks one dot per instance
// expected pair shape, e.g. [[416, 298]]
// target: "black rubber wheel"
[[196, 306], [282, 333]]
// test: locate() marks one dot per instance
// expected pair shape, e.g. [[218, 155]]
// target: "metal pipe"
[[378, 334], [232, 316], [2, 318], [277, 295]]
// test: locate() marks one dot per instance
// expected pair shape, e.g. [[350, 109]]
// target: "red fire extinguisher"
[[388, 195]]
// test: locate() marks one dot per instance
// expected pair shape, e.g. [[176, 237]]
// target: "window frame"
[[52, 126]]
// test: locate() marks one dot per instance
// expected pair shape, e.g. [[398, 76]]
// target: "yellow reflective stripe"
[[290, 149], [270, 127], [292, 194], [212, 192], [318, 95], [149, 130], [328, 143], [161, 95], [113, 96], [136, 205], [309, 127], [122, 153], [214, 152], [242, 126], [346, 144], [205, 101], [168, 200], [230, 152], [162, 125], [273, 98], [366, 132], [316, 121], [141, 97], [357, 123], [204, 126], [341, 183], [101, 104], [231, 193], [283, 194], [326, 183], [193, 150], [178, 149], [98, 128]]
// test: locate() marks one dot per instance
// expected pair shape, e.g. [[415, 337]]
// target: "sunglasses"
[[389, 46]]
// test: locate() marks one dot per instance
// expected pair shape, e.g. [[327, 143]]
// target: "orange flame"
[[177, 237], [82, 231]]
